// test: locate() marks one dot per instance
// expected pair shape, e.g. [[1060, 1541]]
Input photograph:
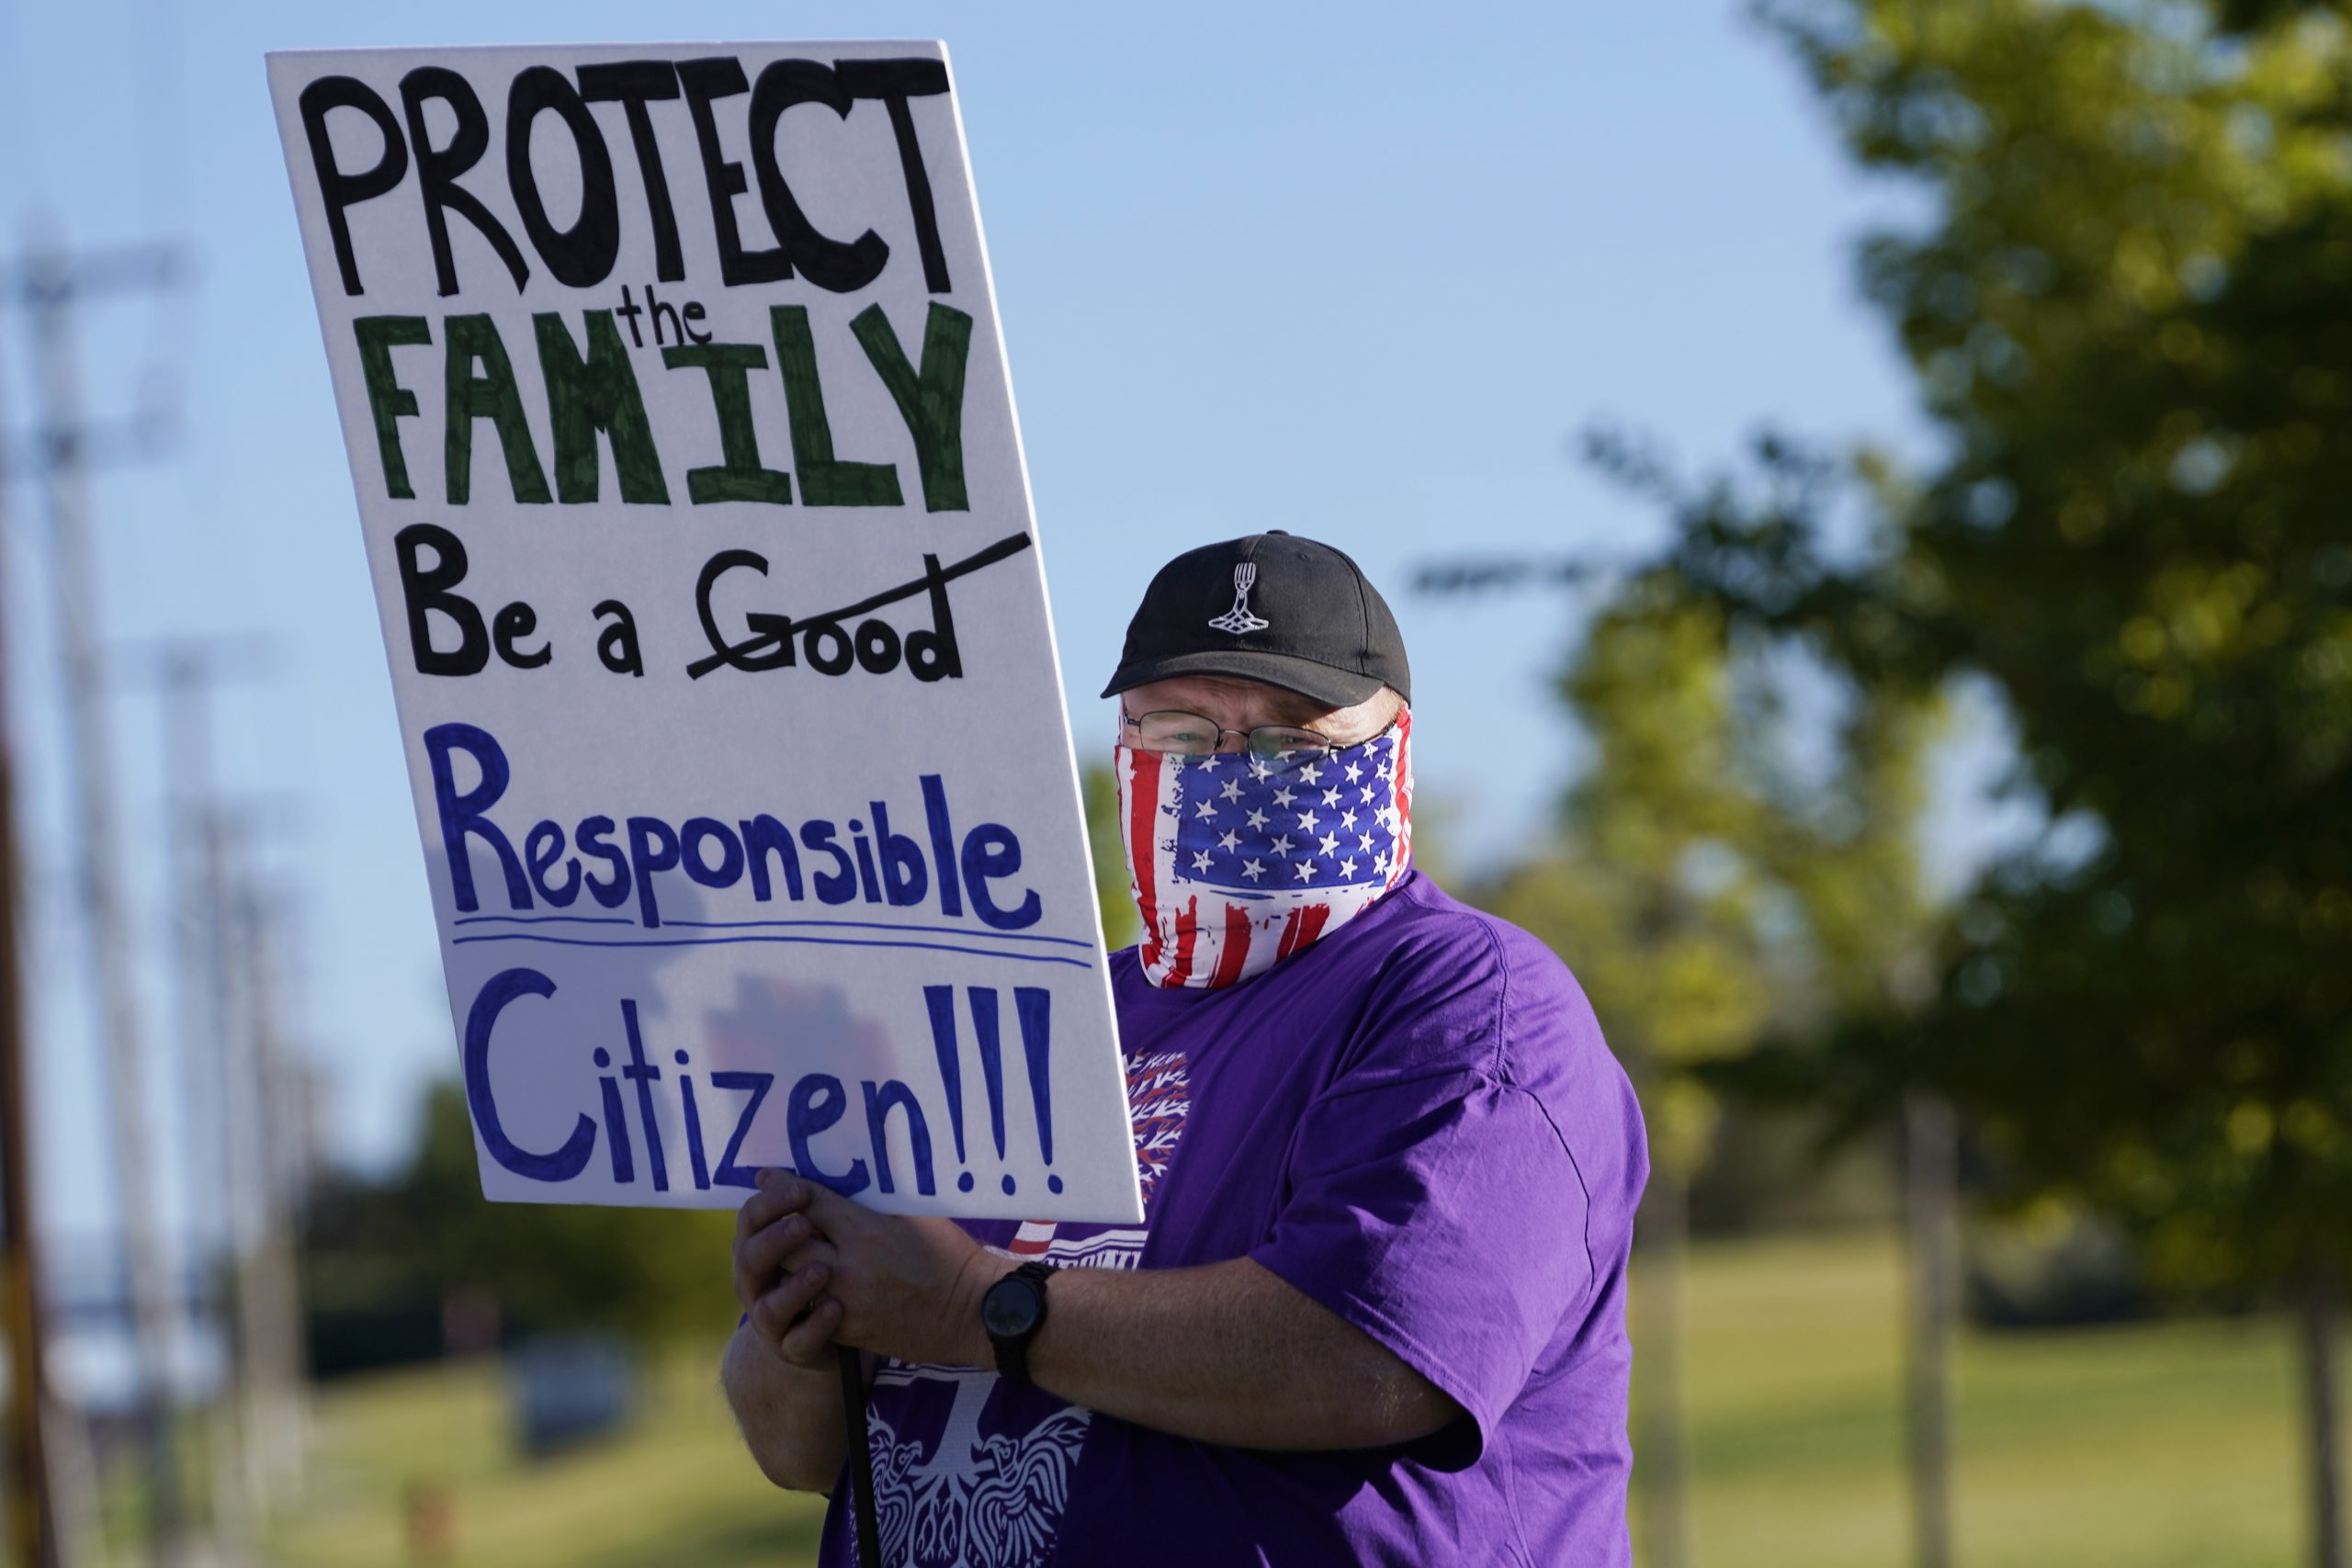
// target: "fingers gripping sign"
[[901, 1287], [771, 1223], [781, 1271]]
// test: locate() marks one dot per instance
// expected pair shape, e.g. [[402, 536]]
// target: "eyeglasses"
[[1190, 735]]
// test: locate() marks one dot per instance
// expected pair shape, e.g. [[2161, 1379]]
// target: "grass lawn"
[[2167, 1445], [2162, 1446], [677, 1491]]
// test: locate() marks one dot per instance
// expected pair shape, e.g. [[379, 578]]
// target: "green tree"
[[2126, 313], [1650, 898], [1100, 793], [652, 1274]]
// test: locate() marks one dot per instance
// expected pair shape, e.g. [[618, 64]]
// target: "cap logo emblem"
[[1238, 619]]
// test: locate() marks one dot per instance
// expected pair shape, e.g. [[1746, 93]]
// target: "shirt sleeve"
[[1442, 1214]]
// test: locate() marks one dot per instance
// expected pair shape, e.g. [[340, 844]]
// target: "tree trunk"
[[1930, 1182], [2317, 1315], [1658, 1443]]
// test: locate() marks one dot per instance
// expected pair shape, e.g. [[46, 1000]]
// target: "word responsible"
[[676, 400], [878, 864]]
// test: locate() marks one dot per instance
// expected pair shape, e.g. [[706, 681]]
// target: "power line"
[[51, 284]]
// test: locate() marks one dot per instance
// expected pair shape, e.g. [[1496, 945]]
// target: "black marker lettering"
[[894, 82], [339, 190], [840, 266], [634, 84], [582, 255], [438, 170], [705, 81]]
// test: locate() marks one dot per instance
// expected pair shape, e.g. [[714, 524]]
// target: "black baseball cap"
[[1272, 607]]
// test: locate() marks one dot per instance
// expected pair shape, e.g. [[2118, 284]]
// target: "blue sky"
[[1360, 278]]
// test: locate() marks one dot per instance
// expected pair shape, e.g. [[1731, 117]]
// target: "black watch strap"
[[1013, 1312]]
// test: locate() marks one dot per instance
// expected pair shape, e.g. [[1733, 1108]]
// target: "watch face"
[[1010, 1309]]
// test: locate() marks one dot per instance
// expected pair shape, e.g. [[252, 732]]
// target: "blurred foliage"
[[424, 1237], [1100, 792], [2126, 311], [1721, 882], [1650, 895]]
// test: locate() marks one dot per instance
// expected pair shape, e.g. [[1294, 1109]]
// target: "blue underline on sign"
[[549, 919], [888, 926], [762, 925], [730, 941]]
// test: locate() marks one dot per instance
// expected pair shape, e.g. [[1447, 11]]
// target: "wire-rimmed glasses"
[[1191, 734]]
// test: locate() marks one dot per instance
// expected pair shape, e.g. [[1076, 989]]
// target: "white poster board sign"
[[675, 401]]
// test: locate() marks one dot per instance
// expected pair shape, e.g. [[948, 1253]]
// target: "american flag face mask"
[[1237, 861]]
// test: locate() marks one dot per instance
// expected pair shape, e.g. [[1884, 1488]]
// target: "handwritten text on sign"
[[677, 408]]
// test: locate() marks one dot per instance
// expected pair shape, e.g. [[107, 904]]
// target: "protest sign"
[[684, 446]]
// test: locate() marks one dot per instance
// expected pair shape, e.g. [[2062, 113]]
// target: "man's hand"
[[1224, 1353], [907, 1288], [785, 1308]]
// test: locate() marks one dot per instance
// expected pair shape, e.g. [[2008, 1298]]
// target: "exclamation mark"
[[941, 1001], [982, 1000], [1033, 1005]]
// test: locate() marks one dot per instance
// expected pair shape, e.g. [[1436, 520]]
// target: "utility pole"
[[31, 1524], [49, 285], [268, 1290], [216, 1081]]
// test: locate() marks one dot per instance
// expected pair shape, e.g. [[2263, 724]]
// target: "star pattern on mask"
[[1260, 813]]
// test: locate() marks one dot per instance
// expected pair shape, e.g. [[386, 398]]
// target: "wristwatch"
[[1013, 1312]]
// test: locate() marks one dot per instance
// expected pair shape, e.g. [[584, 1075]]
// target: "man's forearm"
[[791, 1420], [1228, 1353]]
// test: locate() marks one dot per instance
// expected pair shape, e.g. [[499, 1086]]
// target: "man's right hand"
[[779, 1373], [787, 1312]]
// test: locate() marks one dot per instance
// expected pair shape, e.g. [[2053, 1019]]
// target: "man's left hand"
[[906, 1288]]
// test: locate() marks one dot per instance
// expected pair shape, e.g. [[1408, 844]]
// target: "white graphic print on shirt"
[[995, 1502]]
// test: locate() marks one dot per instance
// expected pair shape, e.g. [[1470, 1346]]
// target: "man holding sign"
[[694, 507], [1374, 1312]]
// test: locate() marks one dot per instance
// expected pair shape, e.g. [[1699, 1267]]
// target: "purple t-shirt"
[[1416, 1123]]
